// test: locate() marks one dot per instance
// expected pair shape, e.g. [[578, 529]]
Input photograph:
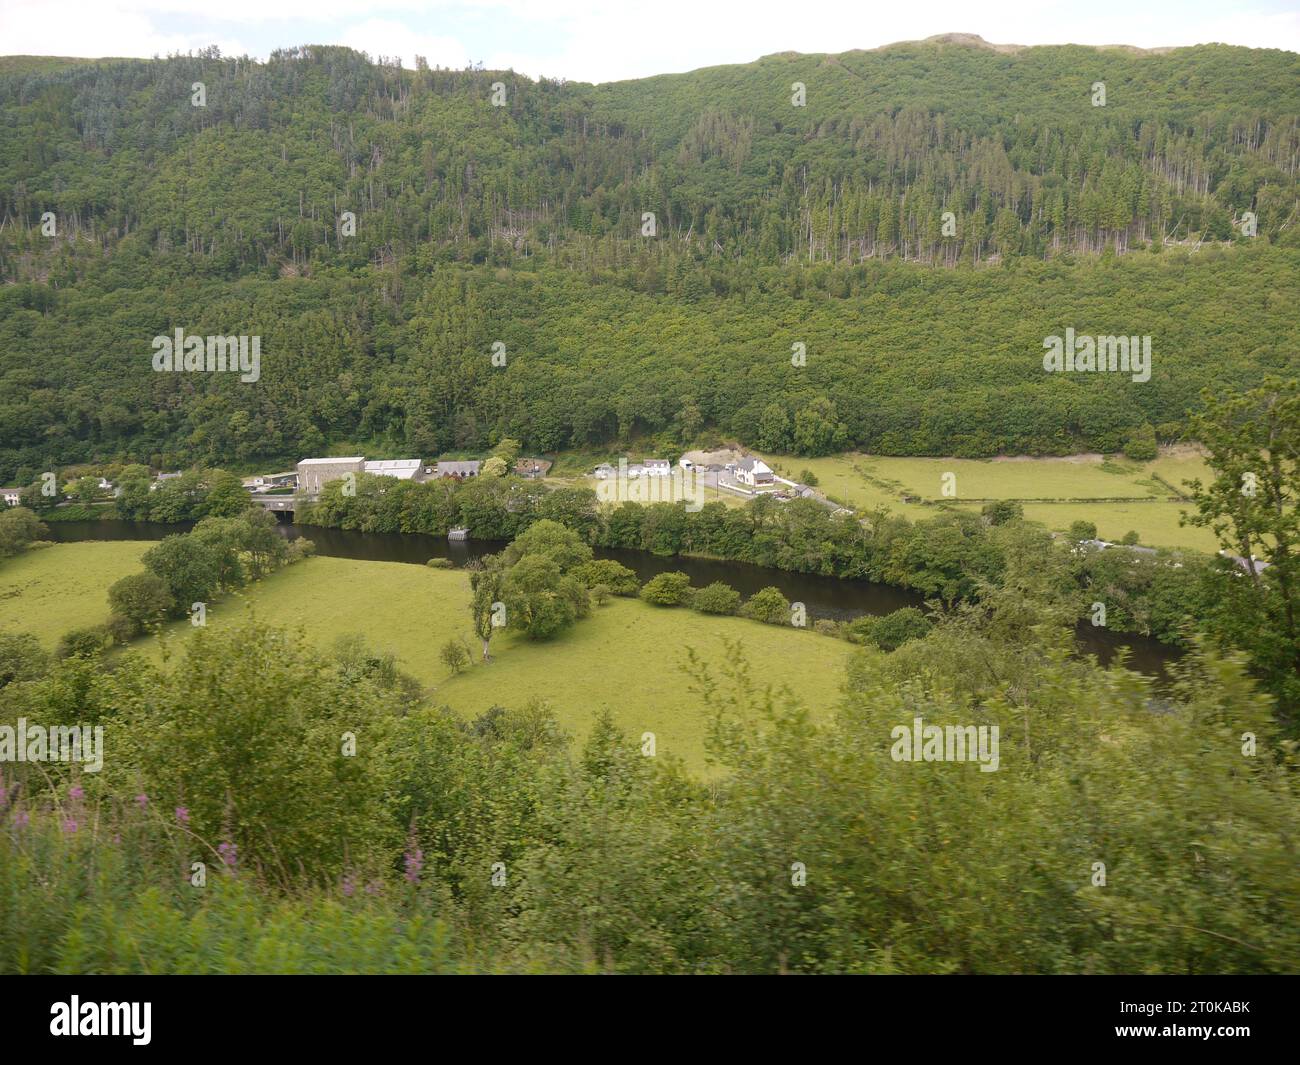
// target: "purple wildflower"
[[75, 793], [22, 818], [70, 826], [349, 886], [183, 815], [142, 800], [229, 854]]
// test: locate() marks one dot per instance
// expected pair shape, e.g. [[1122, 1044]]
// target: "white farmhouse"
[[754, 472]]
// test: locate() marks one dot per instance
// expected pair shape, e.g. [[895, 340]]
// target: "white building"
[[657, 467], [11, 496], [402, 469], [754, 472]]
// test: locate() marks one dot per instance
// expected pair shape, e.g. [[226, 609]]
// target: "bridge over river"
[[280, 504]]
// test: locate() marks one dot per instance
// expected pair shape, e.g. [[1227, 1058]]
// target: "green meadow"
[[627, 657], [1155, 523], [47, 591], [1113, 481]]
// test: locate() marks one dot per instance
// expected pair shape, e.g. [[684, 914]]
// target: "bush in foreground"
[[668, 589], [716, 598], [768, 606]]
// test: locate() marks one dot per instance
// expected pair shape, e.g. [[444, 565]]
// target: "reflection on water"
[[823, 597]]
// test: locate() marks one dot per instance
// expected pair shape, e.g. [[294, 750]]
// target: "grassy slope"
[[627, 656], [51, 590]]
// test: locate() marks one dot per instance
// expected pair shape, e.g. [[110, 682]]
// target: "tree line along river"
[[823, 597]]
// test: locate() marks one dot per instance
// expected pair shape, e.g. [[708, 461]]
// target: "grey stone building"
[[314, 473]]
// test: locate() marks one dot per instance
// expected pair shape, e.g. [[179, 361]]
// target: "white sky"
[[603, 40]]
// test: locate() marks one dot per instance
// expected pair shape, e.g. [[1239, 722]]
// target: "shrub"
[[1002, 511], [668, 589], [809, 478], [616, 577], [454, 655], [1141, 445], [18, 528], [891, 631], [21, 658], [1130, 538], [120, 628], [83, 643], [299, 549], [768, 606], [827, 627], [716, 598], [141, 599], [440, 563], [600, 594], [1083, 530]]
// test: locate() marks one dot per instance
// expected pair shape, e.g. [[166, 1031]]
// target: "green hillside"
[[522, 224]]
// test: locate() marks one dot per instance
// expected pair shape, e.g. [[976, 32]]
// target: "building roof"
[[392, 464], [402, 469], [322, 462], [656, 463], [1253, 564], [755, 464], [452, 468]]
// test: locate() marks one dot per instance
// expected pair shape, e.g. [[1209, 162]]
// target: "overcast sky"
[[605, 40]]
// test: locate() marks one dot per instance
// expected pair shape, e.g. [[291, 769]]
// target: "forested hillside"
[[524, 224]]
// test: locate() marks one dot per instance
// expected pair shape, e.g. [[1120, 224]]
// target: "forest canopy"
[[929, 215]]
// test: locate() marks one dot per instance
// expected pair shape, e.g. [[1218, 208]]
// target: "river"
[[823, 597]]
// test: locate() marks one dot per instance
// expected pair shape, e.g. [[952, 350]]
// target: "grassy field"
[[1155, 523], [53, 589], [628, 657], [867, 481], [850, 479]]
